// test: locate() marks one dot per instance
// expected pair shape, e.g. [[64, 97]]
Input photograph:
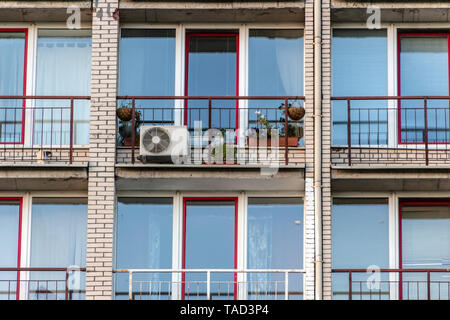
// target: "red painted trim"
[[235, 199], [400, 233], [24, 86], [19, 242], [186, 68], [417, 34]]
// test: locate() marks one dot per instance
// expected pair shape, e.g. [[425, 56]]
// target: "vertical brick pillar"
[[309, 145], [102, 151], [326, 148]]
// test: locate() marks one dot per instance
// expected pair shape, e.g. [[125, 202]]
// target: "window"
[[144, 240], [359, 68], [58, 240], [425, 244], [360, 238], [10, 219], [63, 68], [275, 69], [424, 71], [275, 241], [13, 45]]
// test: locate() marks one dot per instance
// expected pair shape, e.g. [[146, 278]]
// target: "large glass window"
[[359, 68], [9, 246], [424, 71], [360, 239], [144, 241], [275, 69], [63, 68], [275, 241], [58, 240], [425, 244], [12, 80]]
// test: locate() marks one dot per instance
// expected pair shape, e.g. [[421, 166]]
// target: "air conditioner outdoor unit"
[[163, 144]]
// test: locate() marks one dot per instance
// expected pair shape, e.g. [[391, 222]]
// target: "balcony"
[[209, 284], [390, 131], [391, 284], [42, 283], [252, 129], [44, 129]]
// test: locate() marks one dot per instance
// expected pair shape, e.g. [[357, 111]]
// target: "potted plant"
[[125, 112], [295, 112], [126, 130]]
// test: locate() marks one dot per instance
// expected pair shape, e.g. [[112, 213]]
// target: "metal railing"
[[41, 283], [42, 128], [208, 284], [393, 284], [391, 129], [214, 112]]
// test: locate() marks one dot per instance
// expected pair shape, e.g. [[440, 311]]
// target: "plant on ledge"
[[125, 125]]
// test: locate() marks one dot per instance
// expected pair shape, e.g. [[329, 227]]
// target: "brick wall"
[[101, 187]]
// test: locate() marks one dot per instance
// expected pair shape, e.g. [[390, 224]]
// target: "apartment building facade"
[[318, 137]]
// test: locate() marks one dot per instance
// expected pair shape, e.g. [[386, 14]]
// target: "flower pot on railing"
[[295, 113], [126, 129], [124, 113], [257, 141]]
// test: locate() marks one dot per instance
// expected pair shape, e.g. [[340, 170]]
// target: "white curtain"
[[12, 51], [290, 64], [63, 68]]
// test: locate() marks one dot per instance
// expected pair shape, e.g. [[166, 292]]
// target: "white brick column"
[[326, 148], [102, 151], [309, 145]]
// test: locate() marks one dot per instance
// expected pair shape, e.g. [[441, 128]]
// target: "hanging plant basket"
[[296, 113], [124, 113]]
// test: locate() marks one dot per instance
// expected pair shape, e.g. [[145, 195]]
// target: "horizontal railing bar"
[[42, 269], [46, 97], [388, 270], [209, 270], [391, 98], [211, 97]]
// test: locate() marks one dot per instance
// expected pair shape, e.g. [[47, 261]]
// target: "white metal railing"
[[198, 284]]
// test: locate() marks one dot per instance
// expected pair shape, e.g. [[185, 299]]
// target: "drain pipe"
[[318, 260]]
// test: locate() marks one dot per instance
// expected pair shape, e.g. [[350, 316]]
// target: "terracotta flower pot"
[[292, 142], [124, 113], [296, 113]]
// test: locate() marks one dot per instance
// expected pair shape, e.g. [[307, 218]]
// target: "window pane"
[[359, 68], [9, 235], [12, 70], [58, 240], [144, 241], [64, 69], [425, 245], [360, 238], [424, 72], [147, 68], [275, 241], [275, 69], [209, 244]]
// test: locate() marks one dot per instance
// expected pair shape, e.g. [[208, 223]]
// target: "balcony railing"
[[42, 283], [391, 130], [209, 284], [44, 129], [243, 116], [391, 284]]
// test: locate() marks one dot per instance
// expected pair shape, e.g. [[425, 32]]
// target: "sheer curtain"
[[12, 53], [63, 68], [58, 239]]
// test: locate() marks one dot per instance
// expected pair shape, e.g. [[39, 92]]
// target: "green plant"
[[292, 130], [126, 130]]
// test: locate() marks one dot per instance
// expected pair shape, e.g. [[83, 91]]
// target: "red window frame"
[[19, 242], [206, 199], [417, 34], [186, 68], [25, 31], [400, 234]]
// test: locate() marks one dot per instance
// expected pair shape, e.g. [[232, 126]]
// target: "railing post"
[[71, 132], [428, 285], [286, 126], [209, 129], [349, 285], [349, 132], [208, 285], [66, 293], [130, 285], [425, 110], [133, 126], [286, 285]]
